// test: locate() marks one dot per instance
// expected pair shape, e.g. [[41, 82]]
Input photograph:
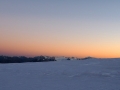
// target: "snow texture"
[[90, 74]]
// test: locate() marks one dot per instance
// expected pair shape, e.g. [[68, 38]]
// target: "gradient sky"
[[60, 28]]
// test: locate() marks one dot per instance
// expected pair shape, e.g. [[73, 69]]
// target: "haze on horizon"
[[60, 28]]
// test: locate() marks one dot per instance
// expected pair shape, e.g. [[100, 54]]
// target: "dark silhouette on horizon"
[[22, 59]]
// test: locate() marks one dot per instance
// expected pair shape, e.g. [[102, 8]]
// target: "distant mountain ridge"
[[22, 59]]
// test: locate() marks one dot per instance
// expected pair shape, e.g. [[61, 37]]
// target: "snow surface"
[[90, 74]]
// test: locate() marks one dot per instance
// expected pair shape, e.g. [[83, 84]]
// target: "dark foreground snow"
[[91, 74]]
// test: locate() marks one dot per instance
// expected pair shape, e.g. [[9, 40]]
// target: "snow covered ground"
[[90, 74]]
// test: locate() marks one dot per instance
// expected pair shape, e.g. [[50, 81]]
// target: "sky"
[[68, 28]]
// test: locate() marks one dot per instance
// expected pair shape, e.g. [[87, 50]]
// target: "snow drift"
[[91, 74]]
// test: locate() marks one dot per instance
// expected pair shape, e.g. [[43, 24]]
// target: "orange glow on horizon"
[[31, 49]]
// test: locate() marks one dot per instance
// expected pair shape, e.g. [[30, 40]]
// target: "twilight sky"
[[60, 28]]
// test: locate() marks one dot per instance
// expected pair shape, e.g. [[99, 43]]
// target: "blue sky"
[[89, 9], [89, 24]]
